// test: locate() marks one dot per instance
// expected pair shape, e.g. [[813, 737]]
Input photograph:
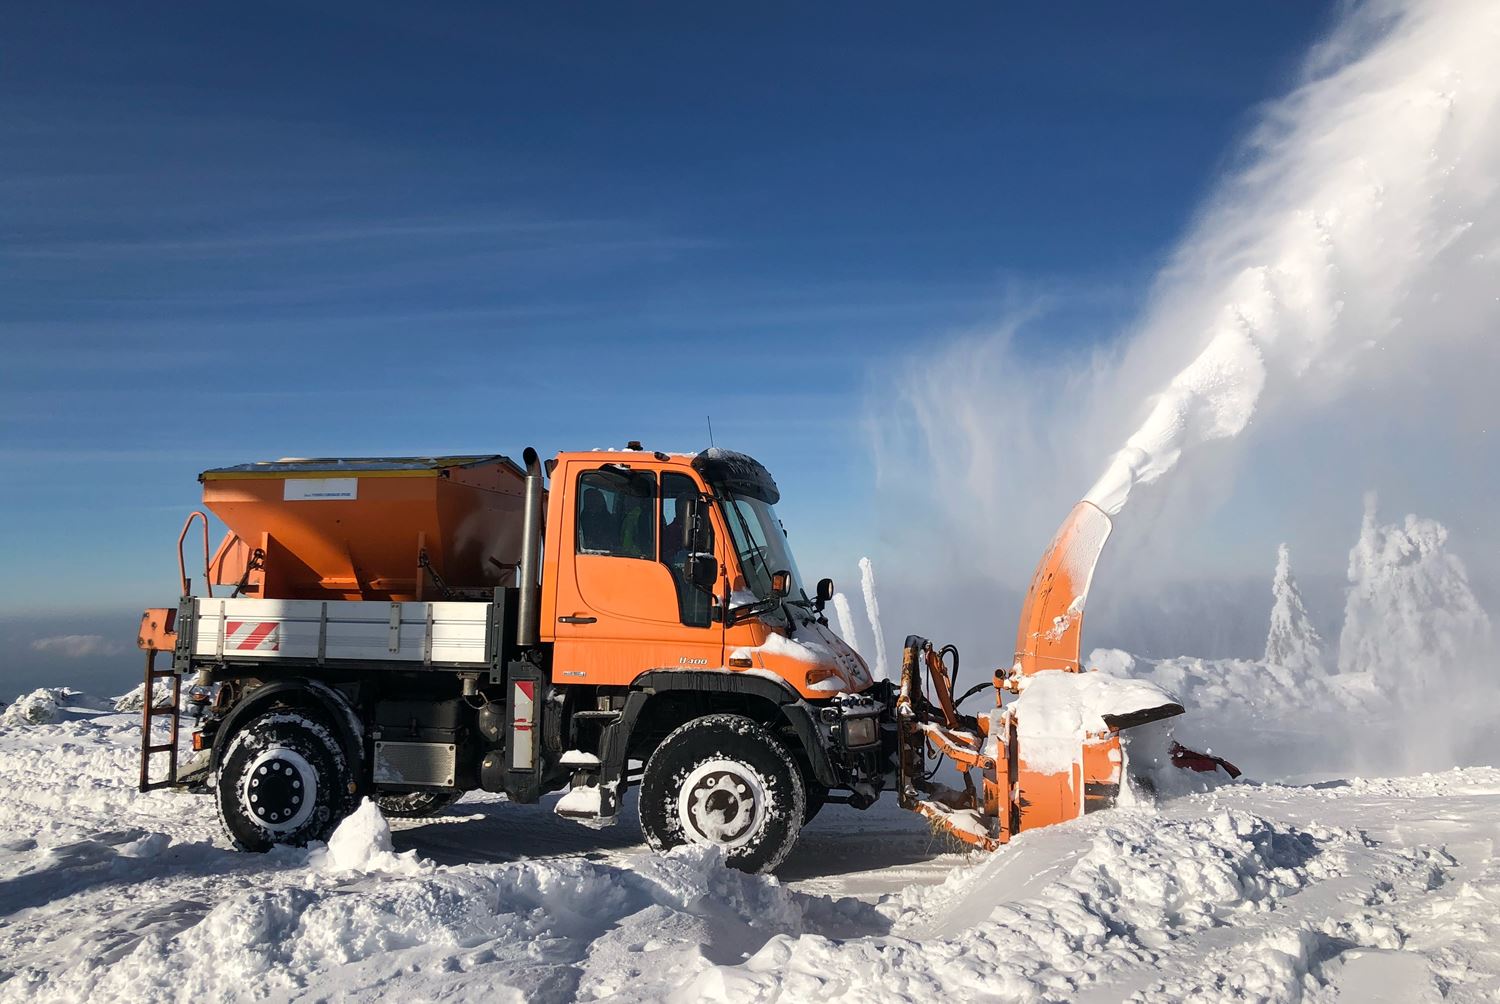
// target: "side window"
[[617, 513], [694, 605]]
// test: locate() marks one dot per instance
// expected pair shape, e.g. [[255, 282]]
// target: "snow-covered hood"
[[815, 660]]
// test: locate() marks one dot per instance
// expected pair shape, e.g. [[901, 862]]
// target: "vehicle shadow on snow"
[[840, 842], [488, 830], [478, 830], [829, 853]]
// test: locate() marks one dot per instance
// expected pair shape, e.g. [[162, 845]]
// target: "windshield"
[[760, 542]]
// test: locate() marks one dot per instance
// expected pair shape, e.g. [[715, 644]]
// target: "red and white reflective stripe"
[[523, 704], [252, 636]]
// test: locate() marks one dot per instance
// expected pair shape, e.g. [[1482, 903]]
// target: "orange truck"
[[410, 629]]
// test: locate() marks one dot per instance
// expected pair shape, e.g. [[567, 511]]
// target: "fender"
[[339, 712], [616, 737]]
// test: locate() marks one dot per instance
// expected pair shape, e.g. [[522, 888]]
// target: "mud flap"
[[525, 695]]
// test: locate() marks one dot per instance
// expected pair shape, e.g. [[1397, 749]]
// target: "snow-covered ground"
[[1348, 890], [1324, 890]]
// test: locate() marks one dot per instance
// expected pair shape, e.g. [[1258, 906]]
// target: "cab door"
[[624, 605]]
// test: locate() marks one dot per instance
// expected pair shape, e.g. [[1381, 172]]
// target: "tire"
[[416, 804], [725, 780], [284, 779], [817, 797]]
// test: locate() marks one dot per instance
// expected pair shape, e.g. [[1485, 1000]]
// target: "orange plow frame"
[[1001, 795]]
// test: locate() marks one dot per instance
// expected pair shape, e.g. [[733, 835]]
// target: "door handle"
[[577, 620]]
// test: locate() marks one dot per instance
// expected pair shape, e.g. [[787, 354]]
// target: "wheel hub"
[[279, 790], [722, 802]]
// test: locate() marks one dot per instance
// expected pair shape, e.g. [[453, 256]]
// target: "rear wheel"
[[284, 779], [416, 804], [724, 780]]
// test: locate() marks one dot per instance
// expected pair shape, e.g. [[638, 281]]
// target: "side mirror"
[[825, 593], [703, 571], [781, 583], [695, 534]]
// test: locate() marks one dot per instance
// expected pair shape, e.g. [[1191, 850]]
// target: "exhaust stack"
[[528, 609]]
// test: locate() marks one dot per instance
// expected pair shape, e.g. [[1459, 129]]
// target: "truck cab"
[[609, 619], [671, 563]]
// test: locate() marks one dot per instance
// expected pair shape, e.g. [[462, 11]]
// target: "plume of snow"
[[1370, 194], [1348, 258], [844, 615], [1292, 641], [872, 611]]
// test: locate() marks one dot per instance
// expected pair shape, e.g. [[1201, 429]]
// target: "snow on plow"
[[1052, 752]]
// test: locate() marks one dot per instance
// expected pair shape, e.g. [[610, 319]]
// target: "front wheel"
[[724, 780], [817, 797], [284, 779]]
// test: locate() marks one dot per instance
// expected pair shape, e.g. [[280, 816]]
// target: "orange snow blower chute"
[[1004, 793]]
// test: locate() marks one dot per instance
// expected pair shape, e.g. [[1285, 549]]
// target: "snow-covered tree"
[[1292, 641], [1411, 618]]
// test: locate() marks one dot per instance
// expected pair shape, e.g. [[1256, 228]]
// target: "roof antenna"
[[710, 431]]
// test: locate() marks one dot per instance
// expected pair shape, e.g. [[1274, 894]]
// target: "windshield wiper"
[[758, 552], [770, 603]]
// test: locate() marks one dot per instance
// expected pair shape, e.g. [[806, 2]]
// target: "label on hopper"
[[319, 489]]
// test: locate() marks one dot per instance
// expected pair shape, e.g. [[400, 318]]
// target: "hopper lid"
[[355, 466]]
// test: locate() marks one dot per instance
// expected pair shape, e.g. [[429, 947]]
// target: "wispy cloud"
[[77, 646], [598, 235]]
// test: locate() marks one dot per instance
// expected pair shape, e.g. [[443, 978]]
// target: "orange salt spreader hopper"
[[395, 528], [1003, 794]]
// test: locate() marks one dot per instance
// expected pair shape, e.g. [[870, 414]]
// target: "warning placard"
[[319, 489]]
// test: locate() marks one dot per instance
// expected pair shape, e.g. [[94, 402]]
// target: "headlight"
[[861, 731]]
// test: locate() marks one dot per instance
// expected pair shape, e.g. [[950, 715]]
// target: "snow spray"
[[1366, 228], [844, 614], [1340, 280], [872, 611], [1337, 289], [1373, 180]]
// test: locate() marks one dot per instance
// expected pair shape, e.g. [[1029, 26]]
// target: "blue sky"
[[240, 232]]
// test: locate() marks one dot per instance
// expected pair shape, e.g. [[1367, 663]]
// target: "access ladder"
[[149, 711]]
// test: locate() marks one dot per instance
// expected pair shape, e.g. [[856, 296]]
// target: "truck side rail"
[[457, 634]]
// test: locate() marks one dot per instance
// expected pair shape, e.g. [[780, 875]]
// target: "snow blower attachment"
[[1052, 752]]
